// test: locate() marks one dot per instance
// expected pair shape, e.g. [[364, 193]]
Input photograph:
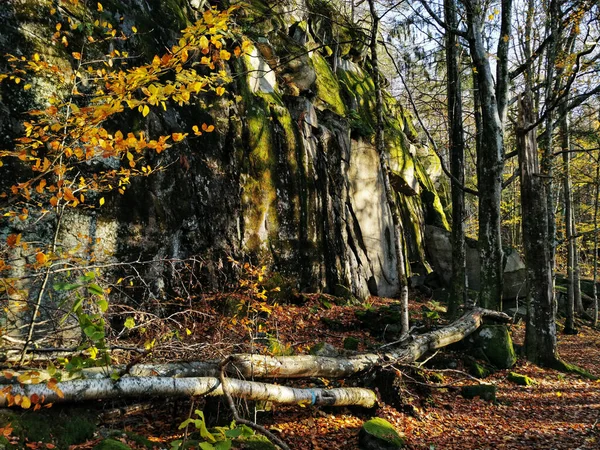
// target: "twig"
[[40, 296], [262, 430], [422, 363]]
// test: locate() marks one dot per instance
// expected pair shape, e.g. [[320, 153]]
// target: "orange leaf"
[[8, 375], [76, 55], [13, 240], [41, 258], [178, 136]]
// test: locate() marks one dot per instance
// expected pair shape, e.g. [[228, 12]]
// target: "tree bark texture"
[[490, 163], [569, 234], [186, 379], [540, 334], [595, 270], [458, 288], [85, 390]]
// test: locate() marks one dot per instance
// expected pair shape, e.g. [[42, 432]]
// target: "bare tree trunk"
[[490, 161], [548, 142], [389, 193], [540, 334], [595, 275], [567, 195], [458, 288]]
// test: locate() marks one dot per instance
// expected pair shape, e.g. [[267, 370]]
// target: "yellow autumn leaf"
[[220, 90], [145, 110], [25, 403], [134, 29], [100, 7], [27, 87], [178, 136], [101, 201]]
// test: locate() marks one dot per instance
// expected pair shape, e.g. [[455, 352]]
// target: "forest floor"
[[560, 411]]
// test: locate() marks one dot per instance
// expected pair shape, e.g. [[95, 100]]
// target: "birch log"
[[140, 387]]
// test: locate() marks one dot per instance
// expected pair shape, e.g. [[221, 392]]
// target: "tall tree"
[[458, 288], [490, 158], [540, 334]]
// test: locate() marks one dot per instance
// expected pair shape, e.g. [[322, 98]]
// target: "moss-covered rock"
[[521, 380], [496, 343], [379, 434], [483, 391]]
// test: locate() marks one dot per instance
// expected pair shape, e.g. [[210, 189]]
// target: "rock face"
[[290, 177], [439, 251]]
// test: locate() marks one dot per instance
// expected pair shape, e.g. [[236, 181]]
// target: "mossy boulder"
[[521, 380], [111, 444], [483, 391], [379, 434], [496, 344]]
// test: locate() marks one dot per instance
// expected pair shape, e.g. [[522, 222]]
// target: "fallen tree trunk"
[[200, 378], [84, 390]]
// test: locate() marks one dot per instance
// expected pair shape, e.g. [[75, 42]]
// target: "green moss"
[[381, 430], [477, 370], [572, 368], [255, 442], [328, 88], [111, 444], [521, 380], [351, 343]]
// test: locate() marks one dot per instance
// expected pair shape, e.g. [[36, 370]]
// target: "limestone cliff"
[[290, 178]]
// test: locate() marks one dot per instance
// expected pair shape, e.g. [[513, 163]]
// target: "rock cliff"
[[290, 177]]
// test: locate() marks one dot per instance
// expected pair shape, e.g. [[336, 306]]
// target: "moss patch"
[[328, 88], [380, 431], [111, 444], [521, 380]]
